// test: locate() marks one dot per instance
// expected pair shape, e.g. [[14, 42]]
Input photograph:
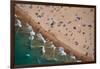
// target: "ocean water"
[[24, 55]]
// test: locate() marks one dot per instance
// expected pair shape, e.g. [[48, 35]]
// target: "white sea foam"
[[73, 57], [29, 27], [61, 51], [32, 33], [41, 37], [27, 55], [18, 23], [31, 37]]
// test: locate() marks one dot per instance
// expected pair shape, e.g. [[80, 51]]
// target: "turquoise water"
[[24, 55]]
